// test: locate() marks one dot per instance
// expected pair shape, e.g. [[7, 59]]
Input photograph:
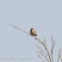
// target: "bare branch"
[[19, 29], [59, 57], [43, 56], [53, 44], [40, 57], [40, 49], [43, 45]]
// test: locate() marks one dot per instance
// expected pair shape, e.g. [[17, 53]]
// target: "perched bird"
[[33, 32]]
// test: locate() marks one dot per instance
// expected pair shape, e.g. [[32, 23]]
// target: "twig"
[[43, 45], [43, 56], [40, 57], [53, 44], [59, 57], [40, 49], [19, 29]]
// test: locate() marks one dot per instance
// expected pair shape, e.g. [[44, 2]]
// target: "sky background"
[[45, 16]]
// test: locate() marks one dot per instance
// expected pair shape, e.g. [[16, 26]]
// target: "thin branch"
[[43, 56], [53, 44], [40, 57], [19, 29], [43, 45], [59, 55], [40, 49], [45, 42]]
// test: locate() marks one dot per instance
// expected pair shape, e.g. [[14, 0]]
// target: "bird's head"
[[31, 28]]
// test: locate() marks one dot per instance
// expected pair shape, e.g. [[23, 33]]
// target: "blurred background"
[[45, 16]]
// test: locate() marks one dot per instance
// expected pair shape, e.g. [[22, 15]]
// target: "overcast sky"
[[45, 16]]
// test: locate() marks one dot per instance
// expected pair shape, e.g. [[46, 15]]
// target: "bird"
[[33, 32]]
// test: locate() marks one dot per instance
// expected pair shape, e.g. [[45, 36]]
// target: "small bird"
[[33, 32]]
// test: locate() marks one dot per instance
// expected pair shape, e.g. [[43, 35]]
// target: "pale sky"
[[45, 16]]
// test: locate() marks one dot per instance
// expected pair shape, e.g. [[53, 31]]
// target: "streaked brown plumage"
[[33, 32]]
